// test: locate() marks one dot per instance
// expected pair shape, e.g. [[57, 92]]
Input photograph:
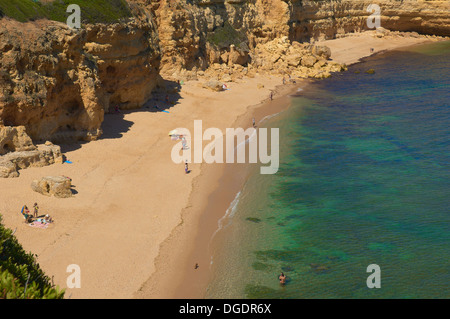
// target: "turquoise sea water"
[[364, 179]]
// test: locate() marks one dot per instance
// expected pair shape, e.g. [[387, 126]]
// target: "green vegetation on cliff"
[[224, 36], [20, 274], [92, 11]]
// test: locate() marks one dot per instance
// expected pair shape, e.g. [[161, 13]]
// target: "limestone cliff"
[[58, 82], [193, 34], [326, 19]]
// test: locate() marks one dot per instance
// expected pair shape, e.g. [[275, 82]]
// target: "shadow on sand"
[[114, 124]]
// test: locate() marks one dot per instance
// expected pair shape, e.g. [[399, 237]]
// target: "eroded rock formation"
[[200, 34], [326, 19], [17, 151], [14, 139], [42, 155], [57, 186], [58, 82]]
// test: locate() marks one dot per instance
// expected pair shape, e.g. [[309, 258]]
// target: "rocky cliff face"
[[326, 19], [187, 29], [58, 83], [196, 34]]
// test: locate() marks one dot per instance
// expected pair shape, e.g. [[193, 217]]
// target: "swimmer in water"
[[282, 279]]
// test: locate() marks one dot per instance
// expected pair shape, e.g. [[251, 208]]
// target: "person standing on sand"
[[271, 95], [254, 123], [186, 168], [36, 209]]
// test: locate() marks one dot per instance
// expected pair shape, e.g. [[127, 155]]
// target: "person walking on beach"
[[186, 168], [254, 123], [183, 142], [271, 95]]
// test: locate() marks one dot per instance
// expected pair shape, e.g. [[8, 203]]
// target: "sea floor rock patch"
[[319, 268]]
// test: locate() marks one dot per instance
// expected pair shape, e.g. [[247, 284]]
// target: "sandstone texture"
[[59, 82], [14, 139], [326, 19], [35, 156], [57, 186], [203, 34], [213, 85]]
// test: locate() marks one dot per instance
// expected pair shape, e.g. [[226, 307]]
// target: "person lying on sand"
[[48, 219]]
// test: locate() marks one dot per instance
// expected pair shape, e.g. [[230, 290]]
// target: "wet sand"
[[193, 243]]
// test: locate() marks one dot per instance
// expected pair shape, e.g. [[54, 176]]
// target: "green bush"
[[20, 274], [92, 11], [224, 36]]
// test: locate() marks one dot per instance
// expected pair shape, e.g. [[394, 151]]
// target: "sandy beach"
[[137, 224]]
